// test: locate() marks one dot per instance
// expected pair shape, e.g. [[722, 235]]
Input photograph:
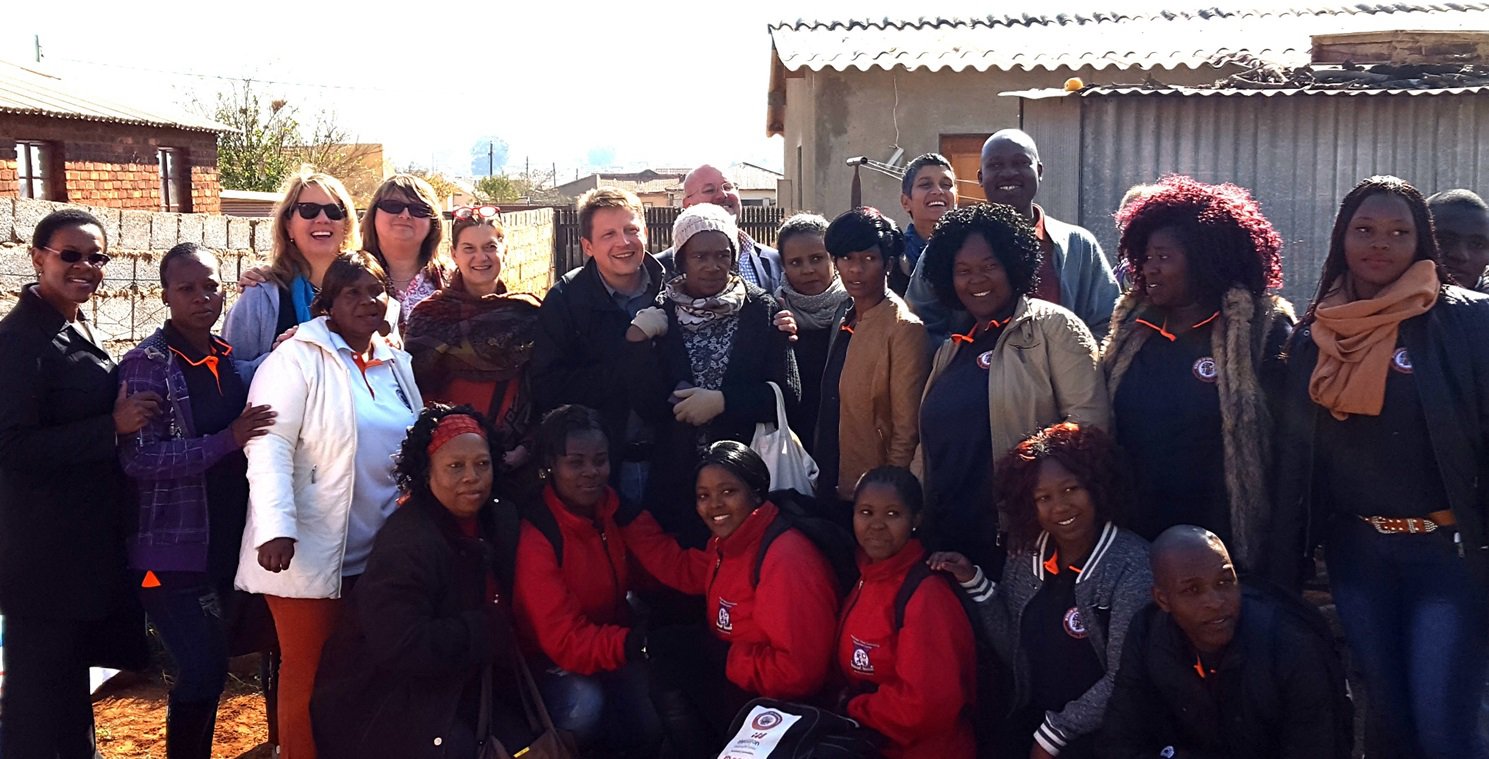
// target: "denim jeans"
[[1417, 624], [187, 611], [631, 484], [606, 710]]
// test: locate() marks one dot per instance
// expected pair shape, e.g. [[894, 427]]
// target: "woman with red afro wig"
[[1193, 355]]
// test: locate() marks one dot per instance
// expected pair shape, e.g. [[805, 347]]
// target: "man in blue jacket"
[[759, 264], [1075, 272]]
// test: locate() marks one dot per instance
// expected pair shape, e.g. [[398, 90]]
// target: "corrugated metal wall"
[[1298, 155]]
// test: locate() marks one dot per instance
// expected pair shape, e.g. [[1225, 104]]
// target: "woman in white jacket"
[[321, 481]]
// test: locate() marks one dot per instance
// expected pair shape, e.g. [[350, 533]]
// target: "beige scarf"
[[1356, 338]]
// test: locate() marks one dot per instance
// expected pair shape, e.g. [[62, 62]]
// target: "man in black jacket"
[[1221, 669], [582, 329]]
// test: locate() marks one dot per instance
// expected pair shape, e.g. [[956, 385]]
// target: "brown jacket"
[[1043, 371], [883, 378]]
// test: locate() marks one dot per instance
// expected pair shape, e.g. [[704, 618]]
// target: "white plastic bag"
[[791, 467]]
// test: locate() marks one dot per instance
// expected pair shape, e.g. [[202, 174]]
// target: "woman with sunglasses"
[[402, 230], [63, 583], [1384, 449], [471, 343], [313, 224], [322, 478]]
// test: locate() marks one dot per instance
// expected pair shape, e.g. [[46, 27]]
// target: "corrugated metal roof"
[[1163, 40], [30, 92], [1237, 92]]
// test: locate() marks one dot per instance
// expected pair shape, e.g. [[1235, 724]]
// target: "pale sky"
[[662, 83]]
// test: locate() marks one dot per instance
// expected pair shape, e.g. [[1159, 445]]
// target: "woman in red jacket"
[[909, 668], [771, 604], [572, 577]]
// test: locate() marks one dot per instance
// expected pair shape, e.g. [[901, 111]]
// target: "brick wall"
[[114, 165], [127, 307]]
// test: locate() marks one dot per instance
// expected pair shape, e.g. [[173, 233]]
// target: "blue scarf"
[[302, 293]]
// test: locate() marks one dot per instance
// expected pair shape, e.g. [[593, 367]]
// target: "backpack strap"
[[775, 529], [538, 515], [918, 573]]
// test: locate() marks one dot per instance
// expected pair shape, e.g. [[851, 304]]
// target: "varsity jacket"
[[1113, 585], [573, 609], [780, 633], [920, 675]]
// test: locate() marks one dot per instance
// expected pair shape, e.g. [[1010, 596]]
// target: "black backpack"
[[538, 515], [813, 733], [836, 544]]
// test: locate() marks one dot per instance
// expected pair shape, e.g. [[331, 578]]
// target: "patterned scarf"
[[479, 338], [695, 313], [813, 311]]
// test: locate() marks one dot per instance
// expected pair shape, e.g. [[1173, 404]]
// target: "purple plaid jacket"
[[168, 463]]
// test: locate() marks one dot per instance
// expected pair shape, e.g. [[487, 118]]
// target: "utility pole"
[[490, 158], [38, 48]]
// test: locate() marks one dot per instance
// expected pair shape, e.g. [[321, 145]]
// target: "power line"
[[255, 80]]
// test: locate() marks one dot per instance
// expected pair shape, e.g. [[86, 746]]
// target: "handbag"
[[791, 467], [549, 743], [769, 729]]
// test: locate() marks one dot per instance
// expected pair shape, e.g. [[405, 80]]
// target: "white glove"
[[698, 406], [651, 321]]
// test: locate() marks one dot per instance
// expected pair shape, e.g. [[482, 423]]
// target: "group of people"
[[1052, 515]]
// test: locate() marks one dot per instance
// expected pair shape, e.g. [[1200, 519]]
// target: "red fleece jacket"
[[780, 633], [575, 614], [923, 674]]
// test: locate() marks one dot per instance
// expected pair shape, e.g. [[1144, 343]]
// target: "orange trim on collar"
[[847, 328], [972, 333], [1163, 329], [1199, 668], [209, 361], [364, 365]]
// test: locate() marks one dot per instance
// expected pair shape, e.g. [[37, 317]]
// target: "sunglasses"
[[309, 211], [96, 260], [417, 209], [477, 212]]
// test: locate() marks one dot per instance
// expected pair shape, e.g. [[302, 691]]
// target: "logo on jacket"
[[766, 720], [1205, 371], [861, 662], [1401, 361], [723, 622], [984, 360], [1075, 627]]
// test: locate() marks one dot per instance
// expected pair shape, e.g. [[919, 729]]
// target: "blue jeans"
[[187, 610], [1417, 624], [631, 484], [606, 710]]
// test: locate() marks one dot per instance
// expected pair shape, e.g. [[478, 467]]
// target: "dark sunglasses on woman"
[[71, 256], [309, 211], [416, 209]]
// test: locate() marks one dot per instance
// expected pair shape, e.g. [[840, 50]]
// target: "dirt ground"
[[130, 720]]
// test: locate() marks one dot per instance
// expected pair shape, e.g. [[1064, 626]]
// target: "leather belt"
[[1411, 525]]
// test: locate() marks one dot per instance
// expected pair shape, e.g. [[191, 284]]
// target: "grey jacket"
[[1114, 585], [1087, 285], [250, 324]]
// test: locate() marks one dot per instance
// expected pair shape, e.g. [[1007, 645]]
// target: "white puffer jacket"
[[300, 474]]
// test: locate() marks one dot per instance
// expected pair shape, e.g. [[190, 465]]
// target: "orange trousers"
[[304, 625]]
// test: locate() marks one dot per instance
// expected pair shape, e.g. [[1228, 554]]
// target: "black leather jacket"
[[1449, 347]]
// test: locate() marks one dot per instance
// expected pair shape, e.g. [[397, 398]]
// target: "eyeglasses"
[[418, 209], [477, 212], [309, 211], [96, 260]]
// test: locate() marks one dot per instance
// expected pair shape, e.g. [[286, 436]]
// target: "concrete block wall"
[[128, 307]]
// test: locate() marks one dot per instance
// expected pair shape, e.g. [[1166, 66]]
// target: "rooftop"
[[28, 91]]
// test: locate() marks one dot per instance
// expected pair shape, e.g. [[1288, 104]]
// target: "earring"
[[543, 473]]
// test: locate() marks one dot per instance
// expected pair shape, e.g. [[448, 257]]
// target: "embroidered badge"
[[1401, 361], [1204, 370], [862, 663], [985, 360], [723, 622], [1075, 627]]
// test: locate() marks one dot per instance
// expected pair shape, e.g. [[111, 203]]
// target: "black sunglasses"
[[309, 211], [73, 256], [417, 209]]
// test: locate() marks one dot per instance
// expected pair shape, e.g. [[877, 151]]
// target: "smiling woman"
[[344, 401], [63, 515]]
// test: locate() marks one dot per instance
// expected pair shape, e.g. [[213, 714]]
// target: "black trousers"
[[48, 706], [693, 696]]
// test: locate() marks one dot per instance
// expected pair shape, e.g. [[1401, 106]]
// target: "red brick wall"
[[113, 165]]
